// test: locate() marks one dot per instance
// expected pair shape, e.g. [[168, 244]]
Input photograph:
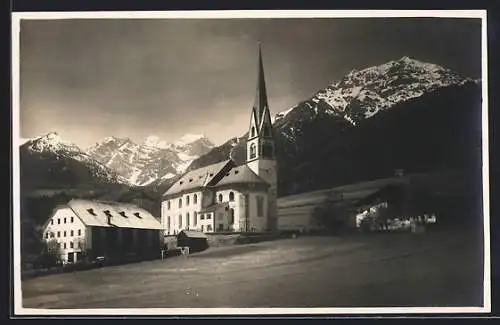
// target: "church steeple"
[[260, 103]]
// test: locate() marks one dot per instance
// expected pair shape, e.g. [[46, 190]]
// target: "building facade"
[[95, 228], [223, 197]]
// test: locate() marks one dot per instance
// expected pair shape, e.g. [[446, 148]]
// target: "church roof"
[[197, 178], [125, 215], [241, 174], [223, 173]]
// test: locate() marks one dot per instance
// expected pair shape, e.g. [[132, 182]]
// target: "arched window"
[[180, 220], [168, 205], [253, 131], [187, 220], [220, 197], [195, 199], [187, 200], [180, 203], [231, 196], [252, 151], [231, 216], [195, 218]]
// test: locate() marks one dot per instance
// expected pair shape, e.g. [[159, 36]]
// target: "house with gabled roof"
[[102, 228], [224, 197]]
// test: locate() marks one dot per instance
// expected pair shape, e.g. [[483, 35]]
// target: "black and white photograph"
[[250, 162]]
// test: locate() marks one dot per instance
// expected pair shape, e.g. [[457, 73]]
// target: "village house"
[[99, 228], [224, 197]]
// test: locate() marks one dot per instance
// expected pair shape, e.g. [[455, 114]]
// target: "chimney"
[[109, 216]]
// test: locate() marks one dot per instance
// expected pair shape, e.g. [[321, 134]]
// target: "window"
[[71, 233], [180, 203], [187, 219], [231, 216], [253, 131], [267, 150], [58, 234], [220, 197], [221, 227], [195, 199], [202, 228], [209, 227], [187, 200], [202, 217], [52, 235], [252, 151], [260, 206], [209, 216], [51, 221], [58, 221], [64, 246], [64, 233], [64, 220], [72, 219], [70, 244], [168, 222], [47, 235], [180, 220], [168, 205], [79, 232], [79, 244], [195, 220], [221, 215], [231, 196]]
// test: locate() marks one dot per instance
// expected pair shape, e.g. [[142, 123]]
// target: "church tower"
[[261, 151]]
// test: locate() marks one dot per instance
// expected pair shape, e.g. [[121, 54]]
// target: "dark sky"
[[89, 79]]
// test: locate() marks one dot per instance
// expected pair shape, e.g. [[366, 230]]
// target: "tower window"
[[252, 151], [231, 196], [253, 131], [220, 197]]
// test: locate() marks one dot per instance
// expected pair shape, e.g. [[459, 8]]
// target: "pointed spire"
[[261, 93]]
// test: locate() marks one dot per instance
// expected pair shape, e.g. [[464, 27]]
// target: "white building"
[[102, 229], [226, 197]]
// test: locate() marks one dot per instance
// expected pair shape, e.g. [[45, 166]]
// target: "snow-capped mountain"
[[50, 159], [362, 94], [402, 114], [153, 159]]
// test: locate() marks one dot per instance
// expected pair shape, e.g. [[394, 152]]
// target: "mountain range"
[[361, 126]]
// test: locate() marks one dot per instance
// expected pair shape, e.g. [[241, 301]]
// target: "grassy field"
[[380, 270]]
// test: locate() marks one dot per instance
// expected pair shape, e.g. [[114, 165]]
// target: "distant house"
[[100, 228], [226, 197]]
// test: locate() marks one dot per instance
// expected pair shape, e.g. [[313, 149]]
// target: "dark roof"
[[193, 234], [261, 93], [214, 207], [223, 173]]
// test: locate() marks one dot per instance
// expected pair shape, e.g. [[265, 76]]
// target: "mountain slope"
[[402, 114], [50, 162], [147, 162]]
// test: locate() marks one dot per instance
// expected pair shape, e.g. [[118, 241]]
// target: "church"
[[225, 197]]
